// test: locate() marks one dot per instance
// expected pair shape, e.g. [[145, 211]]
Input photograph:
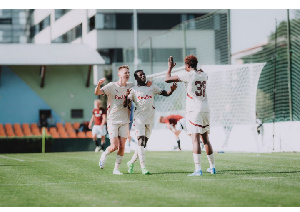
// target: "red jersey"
[[173, 119], [98, 115]]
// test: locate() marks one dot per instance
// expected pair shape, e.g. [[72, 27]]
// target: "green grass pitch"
[[75, 180]]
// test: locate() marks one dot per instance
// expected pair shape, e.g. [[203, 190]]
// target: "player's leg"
[[196, 154], [209, 152], [193, 130], [94, 137], [123, 134], [178, 129], [103, 133], [114, 143]]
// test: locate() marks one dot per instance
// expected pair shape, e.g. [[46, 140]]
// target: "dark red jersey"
[[98, 115]]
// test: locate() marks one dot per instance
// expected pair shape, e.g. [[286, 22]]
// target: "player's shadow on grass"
[[175, 172], [250, 171]]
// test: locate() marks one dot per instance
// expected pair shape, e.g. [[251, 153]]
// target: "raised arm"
[[98, 91], [171, 65], [169, 93]]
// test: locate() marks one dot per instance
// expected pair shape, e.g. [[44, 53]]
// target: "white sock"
[[104, 154], [141, 154], [118, 161], [135, 156], [197, 160], [211, 160]]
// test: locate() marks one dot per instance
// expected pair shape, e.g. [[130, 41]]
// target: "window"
[[91, 23], [76, 113], [44, 23], [105, 21], [70, 36], [5, 21], [60, 13], [111, 55], [78, 31]]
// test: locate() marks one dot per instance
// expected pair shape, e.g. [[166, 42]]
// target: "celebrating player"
[[197, 109], [117, 115], [99, 116], [143, 97]]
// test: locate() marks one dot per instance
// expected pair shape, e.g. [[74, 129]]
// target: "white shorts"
[[98, 130], [181, 125], [143, 129], [118, 130], [197, 122]]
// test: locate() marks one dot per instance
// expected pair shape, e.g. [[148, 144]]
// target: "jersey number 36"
[[201, 86]]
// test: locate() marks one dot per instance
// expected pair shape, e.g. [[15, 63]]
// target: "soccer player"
[[117, 115], [175, 123], [99, 116], [197, 109], [143, 97]]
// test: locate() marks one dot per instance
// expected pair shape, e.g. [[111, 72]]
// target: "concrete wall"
[[64, 90]]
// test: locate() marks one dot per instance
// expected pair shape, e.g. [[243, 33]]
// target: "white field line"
[[5, 157], [134, 181]]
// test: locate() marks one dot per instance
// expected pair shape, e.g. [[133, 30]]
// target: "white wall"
[[241, 139]]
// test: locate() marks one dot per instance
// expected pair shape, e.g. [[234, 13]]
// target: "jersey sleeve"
[[184, 77], [156, 89], [93, 112], [107, 88]]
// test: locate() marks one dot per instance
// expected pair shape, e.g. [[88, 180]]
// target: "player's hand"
[[173, 86], [101, 81], [90, 126], [128, 92], [171, 63], [149, 83]]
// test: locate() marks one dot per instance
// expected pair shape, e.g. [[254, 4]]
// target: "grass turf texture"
[[75, 180]]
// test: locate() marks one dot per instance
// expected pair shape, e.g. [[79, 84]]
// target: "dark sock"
[[97, 142], [178, 142]]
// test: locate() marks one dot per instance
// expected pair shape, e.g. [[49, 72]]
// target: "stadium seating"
[[9, 130], [54, 133], [18, 130], [2, 131], [76, 125], [71, 132], [89, 134], [26, 130], [60, 131], [81, 135]]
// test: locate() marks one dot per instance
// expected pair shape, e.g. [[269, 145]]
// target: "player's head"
[[123, 73], [97, 103], [140, 76], [161, 119], [191, 62]]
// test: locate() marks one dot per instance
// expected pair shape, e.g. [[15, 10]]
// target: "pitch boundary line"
[[5, 157]]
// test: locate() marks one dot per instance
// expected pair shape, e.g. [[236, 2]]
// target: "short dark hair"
[[135, 73], [191, 60]]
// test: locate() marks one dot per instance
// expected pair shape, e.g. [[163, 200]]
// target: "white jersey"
[[143, 97], [116, 112], [195, 83]]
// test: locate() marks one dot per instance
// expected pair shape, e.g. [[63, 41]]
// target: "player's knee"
[[113, 147]]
